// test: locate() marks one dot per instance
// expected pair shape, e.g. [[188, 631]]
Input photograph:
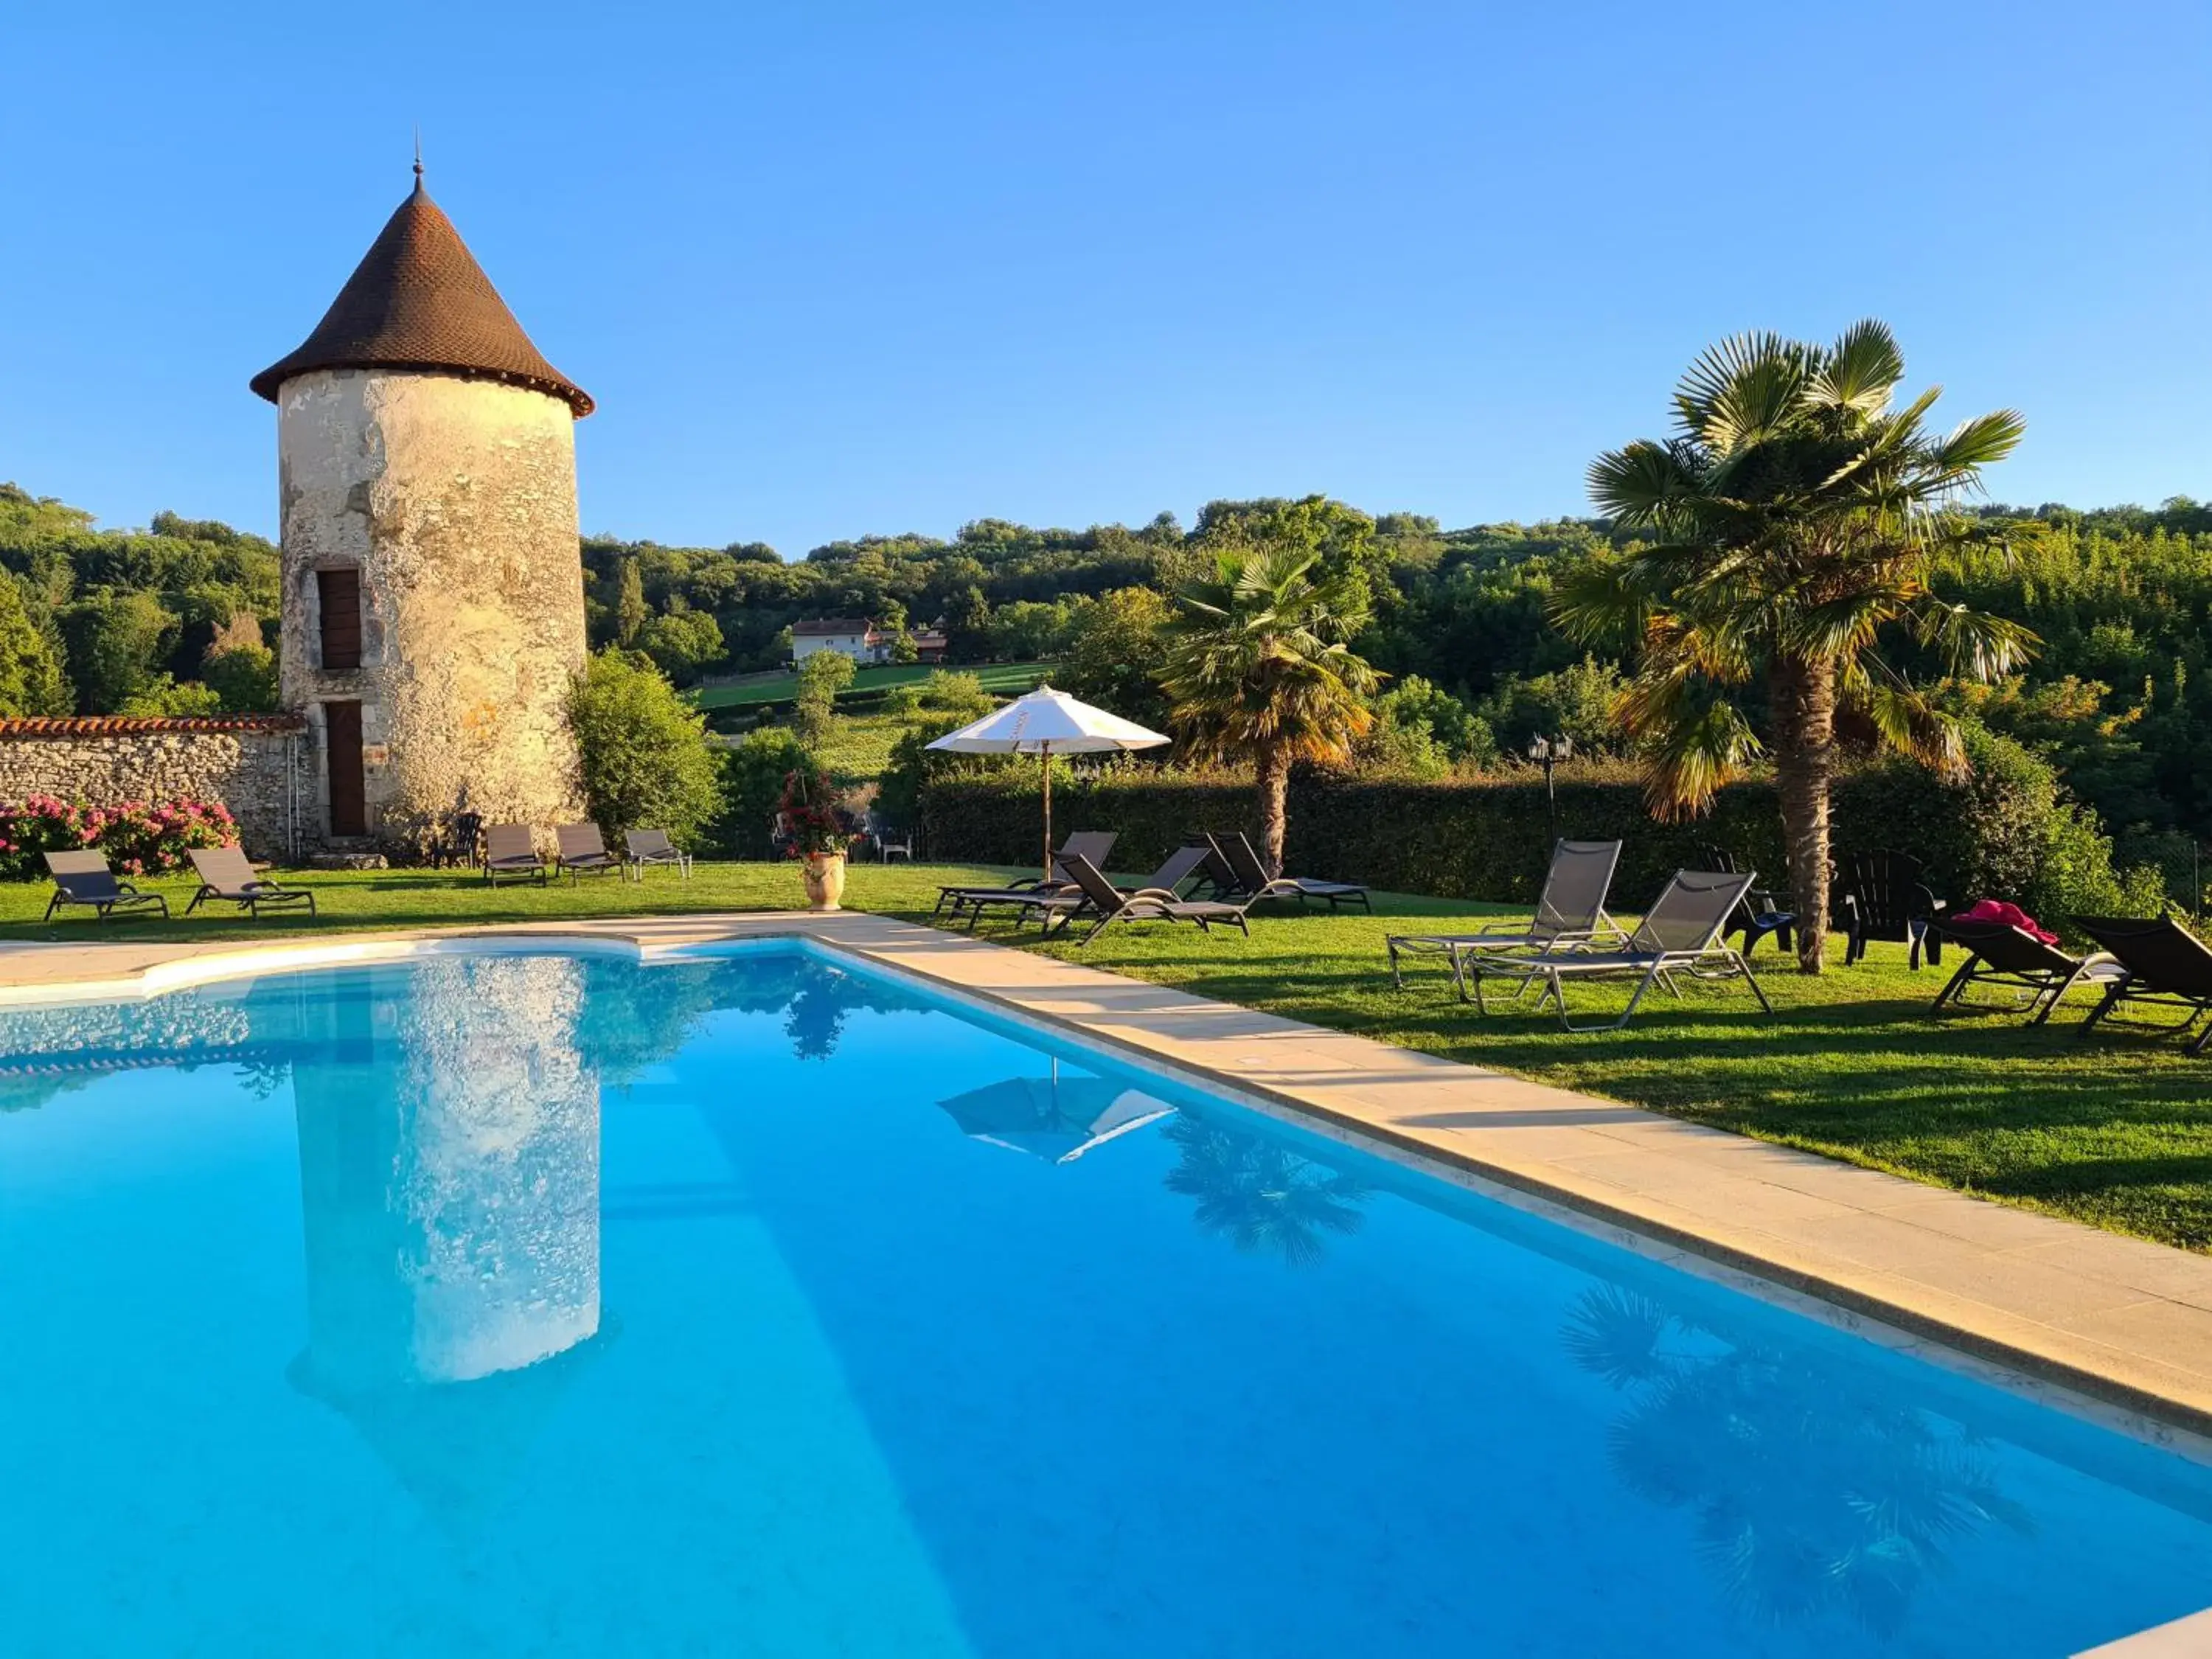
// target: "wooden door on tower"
[[342, 738]]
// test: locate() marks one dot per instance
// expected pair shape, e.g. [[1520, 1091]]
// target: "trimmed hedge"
[[2005, 832], [1485, 838]]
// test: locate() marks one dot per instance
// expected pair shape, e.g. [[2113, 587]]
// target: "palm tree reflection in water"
[[1263, 1197], [1811, 1494]]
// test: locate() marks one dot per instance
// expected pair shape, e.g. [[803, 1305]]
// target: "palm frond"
[[1836, 627], [1640, 484], [1982, 441], [1758, 403], [1717, 367], [1975, 644], [1602, 602], [1908, 722], [1860, 371], [1692, 741]]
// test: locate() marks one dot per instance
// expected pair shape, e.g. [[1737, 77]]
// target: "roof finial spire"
[[418, 156]]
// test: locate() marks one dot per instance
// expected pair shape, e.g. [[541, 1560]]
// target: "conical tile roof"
[[419, 299]]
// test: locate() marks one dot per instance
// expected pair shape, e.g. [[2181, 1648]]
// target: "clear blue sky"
[[832, 269]]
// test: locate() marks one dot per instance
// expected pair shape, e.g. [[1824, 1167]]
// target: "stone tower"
[[434, 598]]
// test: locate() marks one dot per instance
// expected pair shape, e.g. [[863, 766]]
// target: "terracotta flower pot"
[[825, 879]]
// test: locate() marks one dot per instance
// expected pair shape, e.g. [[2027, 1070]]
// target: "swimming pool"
[[548, 1303]]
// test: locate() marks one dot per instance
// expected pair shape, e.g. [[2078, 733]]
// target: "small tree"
[[825, 674], [1259, 669], [683, 644], [164, 695], [630, 608], [644, 750], [117, 641], [31, 677], [754, 769], [239, 667], [1116, 651]]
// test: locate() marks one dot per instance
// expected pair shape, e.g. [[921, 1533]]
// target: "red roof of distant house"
[[120, 726]]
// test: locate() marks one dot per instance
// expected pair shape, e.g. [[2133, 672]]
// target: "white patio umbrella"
[[1046, 723]]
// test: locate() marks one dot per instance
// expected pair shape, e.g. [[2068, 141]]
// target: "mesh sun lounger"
[[1998, 953], [641, 847], [225, 874], [1681, 934], [2162, 963], [511, 849], [83, 879], [1570, 914], [581, 850], [1093, 844], [1236, 852], [1113, 904]]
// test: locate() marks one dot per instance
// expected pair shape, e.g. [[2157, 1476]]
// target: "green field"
[[1005, 679]]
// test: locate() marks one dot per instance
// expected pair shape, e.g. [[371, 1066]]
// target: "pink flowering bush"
[[140, 838]]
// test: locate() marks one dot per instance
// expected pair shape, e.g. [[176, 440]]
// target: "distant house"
[[862, 640], [857, 637]]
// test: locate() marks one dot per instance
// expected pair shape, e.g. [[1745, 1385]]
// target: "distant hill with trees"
[[181, 615]]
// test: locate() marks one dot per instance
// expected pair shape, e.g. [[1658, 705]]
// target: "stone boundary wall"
[[259, 766]]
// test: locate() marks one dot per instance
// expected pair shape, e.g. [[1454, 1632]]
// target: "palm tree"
[[1799, 518], [1259, 669]]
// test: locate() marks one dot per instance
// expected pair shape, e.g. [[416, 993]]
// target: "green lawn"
[[1008, 679], [2116, 1131]]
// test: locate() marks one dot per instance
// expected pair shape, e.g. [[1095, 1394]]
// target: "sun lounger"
[[1062, 904], [1113, 904], [225, 874], [1680, 934], [1093, 844], [1213, 878], [1998, 953], [581, 850], [1236, 852], [642, 848], [2162, 963], [1569, 915], [83, 879], [511, 849]]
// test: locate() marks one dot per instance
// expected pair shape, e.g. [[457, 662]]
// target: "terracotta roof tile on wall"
[[418, 300], [127, 726]]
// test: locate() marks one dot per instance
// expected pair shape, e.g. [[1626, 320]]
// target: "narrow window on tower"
[[340, 593]]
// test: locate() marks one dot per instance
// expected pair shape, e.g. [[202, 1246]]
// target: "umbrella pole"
[[1045, 752]]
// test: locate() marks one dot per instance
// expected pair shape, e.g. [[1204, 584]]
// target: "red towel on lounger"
[[2011, 916]]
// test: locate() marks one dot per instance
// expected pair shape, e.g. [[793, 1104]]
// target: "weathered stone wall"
[[253, 764], [456, 500]]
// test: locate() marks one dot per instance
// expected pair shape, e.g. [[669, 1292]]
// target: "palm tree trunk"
[[1804, 766], [1274, 771]]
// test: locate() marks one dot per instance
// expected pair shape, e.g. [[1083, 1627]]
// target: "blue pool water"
[[549, 1305]]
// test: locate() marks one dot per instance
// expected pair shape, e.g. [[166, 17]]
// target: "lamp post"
[[1549, 752]]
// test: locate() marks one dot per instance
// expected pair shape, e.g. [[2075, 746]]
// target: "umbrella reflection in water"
[[1054, 1118]]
